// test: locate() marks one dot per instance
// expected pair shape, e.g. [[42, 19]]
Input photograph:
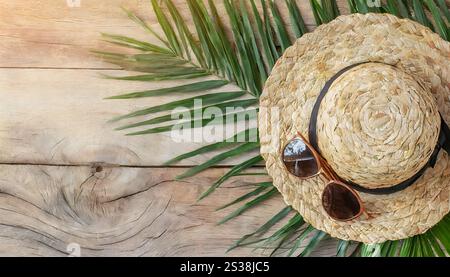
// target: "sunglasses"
[[339, 200]]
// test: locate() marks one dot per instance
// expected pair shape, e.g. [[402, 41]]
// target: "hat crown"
[[377, 126]]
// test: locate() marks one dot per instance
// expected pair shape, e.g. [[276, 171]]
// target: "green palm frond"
[[324, 11], [224, 62], [229, 142], [342, 248], [258, 200]]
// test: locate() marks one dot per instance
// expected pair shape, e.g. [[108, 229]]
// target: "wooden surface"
[[119, 212], [54, 134]]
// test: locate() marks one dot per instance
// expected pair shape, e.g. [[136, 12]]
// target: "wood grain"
[[64, 35], [121, 212], [60, 117]]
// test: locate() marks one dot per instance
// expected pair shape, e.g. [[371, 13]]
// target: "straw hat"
[[377, 126]]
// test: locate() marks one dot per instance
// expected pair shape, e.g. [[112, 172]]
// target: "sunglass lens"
[[299, 159], [340, 202]]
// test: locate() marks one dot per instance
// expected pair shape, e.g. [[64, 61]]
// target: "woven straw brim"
[[293, 87]]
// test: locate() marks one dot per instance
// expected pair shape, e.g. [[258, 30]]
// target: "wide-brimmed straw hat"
[[377, 125]]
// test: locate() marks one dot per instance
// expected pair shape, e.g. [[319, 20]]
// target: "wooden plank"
[[60, 33], [56, 116], [112, 211], [44, 34]]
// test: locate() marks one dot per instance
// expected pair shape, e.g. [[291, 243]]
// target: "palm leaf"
[[435, 245], [269, 31], [391, 7], [184, 31], [192, 113], [342, 248], [301, 238], [419, 14], [280, 28], [205, 99], [145, 26], [325, 11], [445, 9], [352, 6], [244, 148], [238, 138], [393, 249], [312, 244], [246, 240], [263, 37], [371, 250], [135, 44], [250, 204], [191, 123], [250, 39], [189, 73], [441, 26], [284, 234], [298, 25], [248, 67], [193, 87], [259, 189], [172, 38], [235, 170], [404, 11]]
